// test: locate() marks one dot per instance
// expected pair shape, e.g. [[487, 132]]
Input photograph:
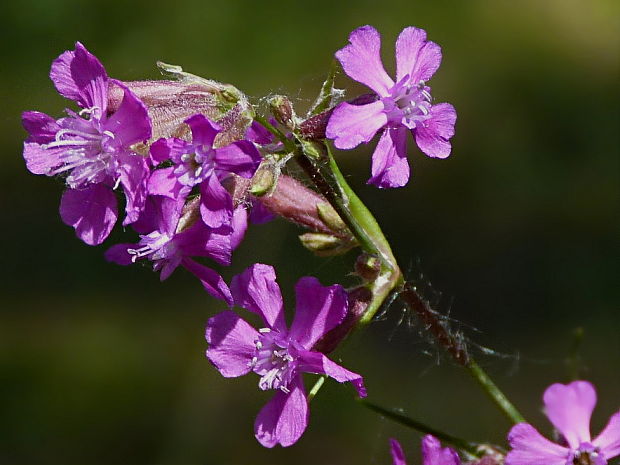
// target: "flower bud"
[[283, 112], [325, 245], [367, 267], [265, 179]]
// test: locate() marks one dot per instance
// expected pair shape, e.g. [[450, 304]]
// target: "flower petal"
[[361, 60], [256, 290], [318, 310], [201, 241], [350, 125], [203, 130], [398, 456], [434, 454], [91, 211], [42, 128], [41, 160], [159, 214], [134, 175], [609, 439], [216, 204], [165, 149], [163, 182], [415, 56], [118, 254], [231, 344], [390, 167], [78, 75], [530, 448], [284, 418], [433, 138], [239, 226], [241, 157], [213, 283], [130, 123], [569, 407], [316, 362]]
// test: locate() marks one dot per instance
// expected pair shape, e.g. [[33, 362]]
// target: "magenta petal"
[[350, 125], [239, 226], [260, 214], [159, 214], [398, 456], [231, 344], [241, 158], [134, 174], [40, 160], [165, 183], [119, 254], [318, 310], [433, 138], [569, 407], [530, 448], [78, 75], [202, 241], [316, 362], [216, 204], [284, 418], [41, 127], [609, 439], [256, 290], [390, 167], [434, 454], [415, 56], [361, 60], [203, 130], [213, 283], [91, 211], [164, 149], [130, 123]]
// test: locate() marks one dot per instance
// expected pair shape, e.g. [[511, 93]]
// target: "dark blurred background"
[[102, 364]]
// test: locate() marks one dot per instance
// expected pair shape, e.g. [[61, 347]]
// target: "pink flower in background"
[[432, 453], [569, 407], [279, 355], [400, 106]]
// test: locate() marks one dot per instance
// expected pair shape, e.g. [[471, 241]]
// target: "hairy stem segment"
[[457, 349], [472, 448]]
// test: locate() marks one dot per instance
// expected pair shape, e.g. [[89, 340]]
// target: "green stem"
[[467, 446], [496, 395]]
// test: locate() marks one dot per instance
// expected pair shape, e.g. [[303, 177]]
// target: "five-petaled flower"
[[569, 407], [277, 354], [432, 453], [199, 163], [399, 106], [92, 147]]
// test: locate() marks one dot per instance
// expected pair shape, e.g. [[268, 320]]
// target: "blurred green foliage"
[[104, 365]]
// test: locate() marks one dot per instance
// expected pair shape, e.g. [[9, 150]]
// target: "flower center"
[[86, 151], [587, 454], [156, 246], [409, 104], [196, 167], [274, 361]]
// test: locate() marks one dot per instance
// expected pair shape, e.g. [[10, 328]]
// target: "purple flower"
[[399, 106], [569, 407], [199, 163], [169, 240], [277, 354], [432, 453], [92, 147]]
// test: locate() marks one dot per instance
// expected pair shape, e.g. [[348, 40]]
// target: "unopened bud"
[[328, 215], [265, 179], [324, 245], [367, 267], [282, 110]]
